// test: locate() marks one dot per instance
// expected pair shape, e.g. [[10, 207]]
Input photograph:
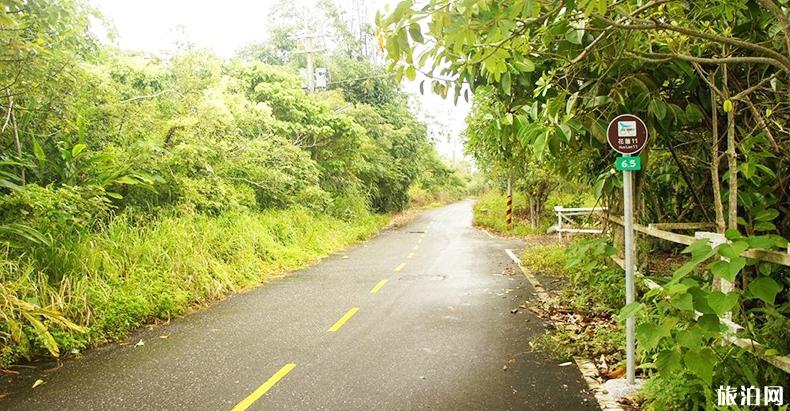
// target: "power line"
[[361, 78]]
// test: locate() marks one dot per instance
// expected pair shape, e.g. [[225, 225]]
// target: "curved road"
[[416, 318]]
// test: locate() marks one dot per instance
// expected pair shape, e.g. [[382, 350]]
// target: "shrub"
[[489, 213], [597, 285], [130, 274]]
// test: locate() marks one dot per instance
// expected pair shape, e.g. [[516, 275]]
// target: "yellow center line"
[[245, 403], [419, 241], [416, 247], [378, 286], [410, 256], [400, 267], [343, 319]]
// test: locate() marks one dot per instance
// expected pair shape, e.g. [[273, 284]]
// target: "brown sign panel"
[[627, 134]]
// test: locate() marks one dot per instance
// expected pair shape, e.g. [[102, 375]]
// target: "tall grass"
[[489, 213], [110, 282]]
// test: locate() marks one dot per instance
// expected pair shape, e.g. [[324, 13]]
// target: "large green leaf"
[[701, 363], [416, 33], [669, 361], [44, 334], [524, 65], [722, 303], [728, 270], [658, 108], [650, 335], [630, 309], [574, 35], [733, 250], [765, 288], [761, 241], [38, 152], [682, 302]]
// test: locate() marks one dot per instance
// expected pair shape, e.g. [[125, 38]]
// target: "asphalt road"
[[437, 334]]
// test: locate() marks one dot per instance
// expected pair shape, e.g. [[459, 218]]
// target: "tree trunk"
[[714, 161], [732, 160], [532, 208]]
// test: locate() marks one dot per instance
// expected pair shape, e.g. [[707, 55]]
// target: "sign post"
[[627, 134]]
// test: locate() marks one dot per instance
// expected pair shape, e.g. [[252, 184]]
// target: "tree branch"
[[704, 77], [761, 123], [656, 57], [689, 183], [776, 58], [751, 89], [777, 12], [608, 29], [8, 114]]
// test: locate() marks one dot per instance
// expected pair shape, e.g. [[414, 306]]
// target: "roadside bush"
[[129, 275], [489, 213], [597, 286], [60, 211], [141, 185]]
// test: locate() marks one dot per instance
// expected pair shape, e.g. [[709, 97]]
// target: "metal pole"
[[310, 66], [628, 211]]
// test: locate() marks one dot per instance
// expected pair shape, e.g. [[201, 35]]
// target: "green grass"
[[489, 213], [546, 259], [127, 274]]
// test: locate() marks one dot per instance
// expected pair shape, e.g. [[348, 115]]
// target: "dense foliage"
[[132, 186], [710, 79]]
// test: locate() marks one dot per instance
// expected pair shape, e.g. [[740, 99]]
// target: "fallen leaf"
[[565, 364], [139, 343], [163, 336], [504, 368], [513, 311], [37, 383], [616, 373]]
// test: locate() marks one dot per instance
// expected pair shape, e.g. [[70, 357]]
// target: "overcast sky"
[[151, 26]]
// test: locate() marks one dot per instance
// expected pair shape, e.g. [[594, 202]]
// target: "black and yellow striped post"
[[509, 211]]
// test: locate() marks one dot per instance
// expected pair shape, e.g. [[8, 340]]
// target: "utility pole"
[[308, 46], [308, 49]]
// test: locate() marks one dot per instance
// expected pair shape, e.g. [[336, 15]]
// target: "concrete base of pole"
[[620, 388]]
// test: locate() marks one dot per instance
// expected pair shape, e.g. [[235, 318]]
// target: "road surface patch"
[[343, 320], [245, 403], [378, 286]]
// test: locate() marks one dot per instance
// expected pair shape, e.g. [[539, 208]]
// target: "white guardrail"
[[571, 226]]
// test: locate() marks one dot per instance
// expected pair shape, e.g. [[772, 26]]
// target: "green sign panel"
[[628, 164]]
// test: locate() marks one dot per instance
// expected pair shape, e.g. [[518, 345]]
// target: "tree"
[[698, 73], [563, 70]]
